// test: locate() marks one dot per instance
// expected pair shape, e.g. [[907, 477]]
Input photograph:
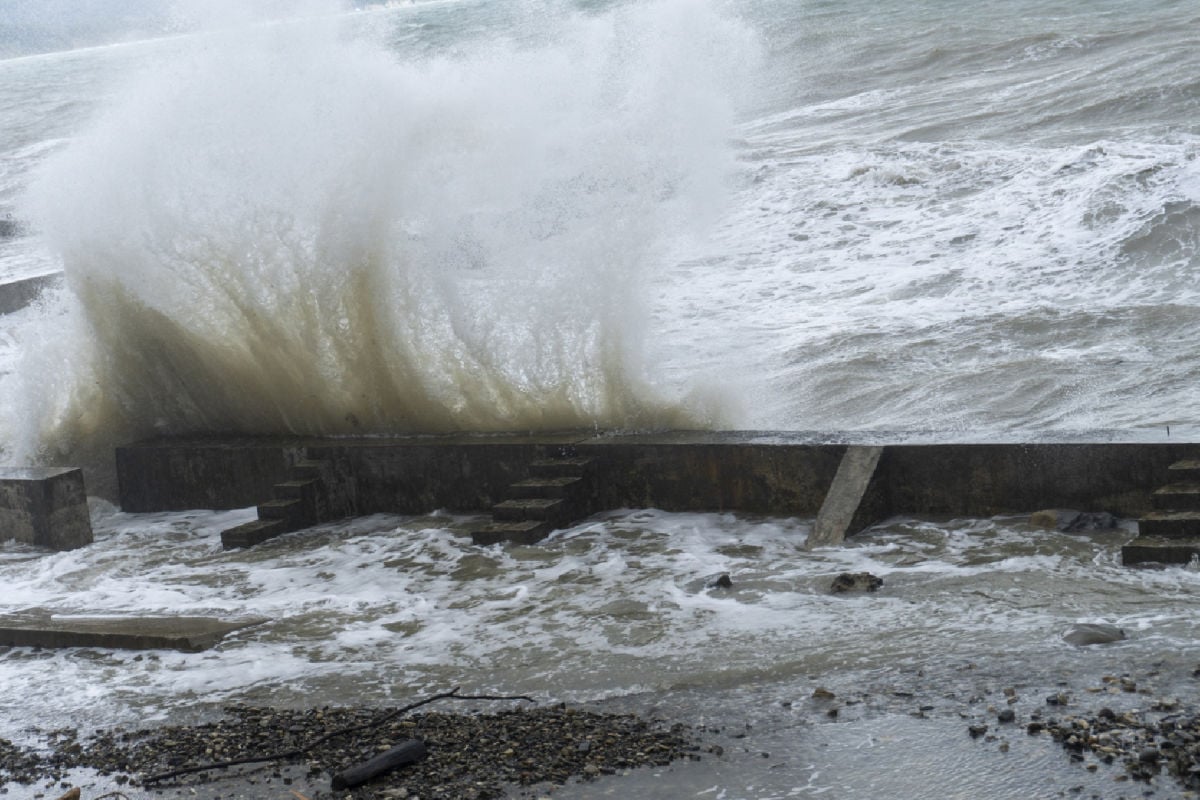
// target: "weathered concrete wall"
[[178, 474], [415, 475], [44, 506], [713, 472], [988, 479], [784, 474]]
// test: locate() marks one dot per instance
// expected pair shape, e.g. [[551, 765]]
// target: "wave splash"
[[286, 229]]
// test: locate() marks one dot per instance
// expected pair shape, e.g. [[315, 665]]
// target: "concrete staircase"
[[1171, 533], [559, 492], [305, 499]]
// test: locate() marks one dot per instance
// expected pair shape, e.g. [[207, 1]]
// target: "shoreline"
[[471, 755], [1148, 744]]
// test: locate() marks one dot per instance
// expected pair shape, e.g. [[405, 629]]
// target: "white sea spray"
[[282, 228]]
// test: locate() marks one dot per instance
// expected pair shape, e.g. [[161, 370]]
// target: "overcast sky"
[[37, 26]]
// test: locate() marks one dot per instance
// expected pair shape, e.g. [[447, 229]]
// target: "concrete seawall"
[[767, 473]]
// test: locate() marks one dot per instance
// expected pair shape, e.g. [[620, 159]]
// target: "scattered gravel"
[[1148, 743], [471, 756], [1163, 738]]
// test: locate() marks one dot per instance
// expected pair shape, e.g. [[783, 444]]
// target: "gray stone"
[[719, 581], [45, 507], [1093, 633], [855, 582]]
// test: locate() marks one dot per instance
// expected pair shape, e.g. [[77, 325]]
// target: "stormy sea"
[[934, 220]]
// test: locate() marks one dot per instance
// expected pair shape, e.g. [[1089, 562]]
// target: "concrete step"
[[252, 533], [310, 493], [309, 469], [1181, 469], [292, 513], [562, 467], [562, 487], [522, 532], [549, 509], [1183, 496], [1160, 550], [1171, 524]]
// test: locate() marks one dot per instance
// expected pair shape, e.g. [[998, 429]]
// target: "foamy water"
[[617, 604], [381, 609]]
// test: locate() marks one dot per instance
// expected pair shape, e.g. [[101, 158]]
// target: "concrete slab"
[[15, 295], [44, 629], [45, 507]]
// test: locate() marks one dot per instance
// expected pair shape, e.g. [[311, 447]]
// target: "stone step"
[[549, 509], [523, 532], [309, 492], [1177, 497], [292, 513], [252, 533], [1187, 465], [1160, 550], [309, 469], [1170, 524], [571, 466], [561, 487]]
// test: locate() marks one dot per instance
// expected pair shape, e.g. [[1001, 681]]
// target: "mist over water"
[[287, 228]]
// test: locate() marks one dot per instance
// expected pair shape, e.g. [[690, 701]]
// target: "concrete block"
[[17, 294], [45, 507], [252, 533], [43, 629]]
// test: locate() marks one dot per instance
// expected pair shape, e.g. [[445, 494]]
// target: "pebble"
[[478, 756], [1164, 739], [719, 581]]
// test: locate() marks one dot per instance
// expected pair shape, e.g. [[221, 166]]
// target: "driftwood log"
[[406, 752]]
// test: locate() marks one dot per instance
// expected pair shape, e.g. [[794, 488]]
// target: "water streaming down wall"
[[284, 228]]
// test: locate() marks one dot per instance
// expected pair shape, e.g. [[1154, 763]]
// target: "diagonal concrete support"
[[845, 499]]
